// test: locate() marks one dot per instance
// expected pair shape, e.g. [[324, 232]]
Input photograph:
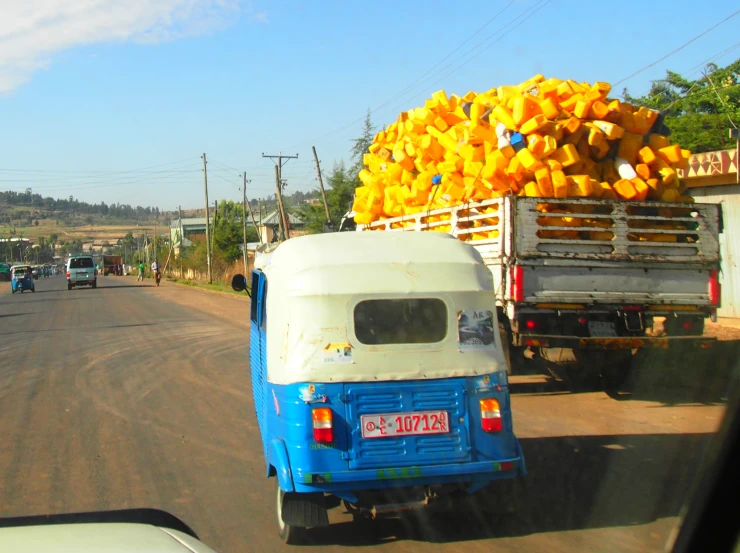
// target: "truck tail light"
[[516, 274], [323, 431], [96, 272], [67, 274], [490, 415], [715, 289]]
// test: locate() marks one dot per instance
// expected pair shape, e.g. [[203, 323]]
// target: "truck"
[[580, 282], [5, 272], [110, 262]]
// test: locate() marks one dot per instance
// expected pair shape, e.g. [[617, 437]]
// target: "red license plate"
[[404, 424]]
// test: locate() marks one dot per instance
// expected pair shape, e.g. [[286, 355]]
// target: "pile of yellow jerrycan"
[[548, 138]]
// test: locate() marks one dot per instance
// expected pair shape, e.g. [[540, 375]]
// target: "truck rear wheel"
[[617, 369], [580, 373]]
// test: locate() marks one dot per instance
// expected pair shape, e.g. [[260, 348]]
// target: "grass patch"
[[215, 287]]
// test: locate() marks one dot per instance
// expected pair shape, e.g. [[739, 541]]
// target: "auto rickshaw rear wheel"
[[292, 535]]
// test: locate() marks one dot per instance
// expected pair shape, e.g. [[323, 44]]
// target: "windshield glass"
[[510, 232], [81, 263]]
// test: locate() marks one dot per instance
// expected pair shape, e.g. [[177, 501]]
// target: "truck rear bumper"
[[614, 343]]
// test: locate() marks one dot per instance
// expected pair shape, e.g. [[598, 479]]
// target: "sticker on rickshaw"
[[338, 353], [475, 330]]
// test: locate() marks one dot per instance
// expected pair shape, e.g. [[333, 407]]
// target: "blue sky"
[[116, 103]]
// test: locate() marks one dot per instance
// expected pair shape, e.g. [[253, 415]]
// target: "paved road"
[[135, 396]]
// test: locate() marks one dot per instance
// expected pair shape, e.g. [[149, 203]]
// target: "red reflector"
[[533, 342], [530, 324], [492, 425], [67, 275], [688, 325], [715, 289], [582, 320], [516, 275], [507, 465], [323, 435]]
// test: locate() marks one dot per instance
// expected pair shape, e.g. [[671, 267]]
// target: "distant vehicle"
[[5, 272], [35, 273], [112, 264], [22, 279], [81, 271]]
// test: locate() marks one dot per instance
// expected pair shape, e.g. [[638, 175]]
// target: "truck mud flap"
[[574, 342]]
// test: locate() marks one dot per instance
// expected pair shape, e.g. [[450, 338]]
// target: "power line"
[[526, 15], [97, 170], [92, 179], [684, 45], [715, 57], [413, 84]]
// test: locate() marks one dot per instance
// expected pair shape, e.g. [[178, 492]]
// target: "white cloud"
[[32, 31]]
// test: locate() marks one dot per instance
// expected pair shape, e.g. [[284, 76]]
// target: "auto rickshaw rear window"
[[401, 321], [80, 262]]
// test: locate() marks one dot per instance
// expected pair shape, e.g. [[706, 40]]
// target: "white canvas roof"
[[362, 262]]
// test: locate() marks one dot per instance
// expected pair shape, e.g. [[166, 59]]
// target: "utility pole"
[[155, 239], [321, 185], [278, 178], [251, 214], [179, 214], [279, 206], [215, 222], [244, 222], [208, 222]]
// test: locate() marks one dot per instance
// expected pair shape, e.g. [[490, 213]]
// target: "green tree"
[[361, 144], [697, 112], [340, 189], [228, 234]]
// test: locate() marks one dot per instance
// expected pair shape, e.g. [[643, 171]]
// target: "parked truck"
[[580, 281], [112, 264]]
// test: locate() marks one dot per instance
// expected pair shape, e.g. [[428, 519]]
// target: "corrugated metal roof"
[[189, 222], [729, 242], [272, 219]]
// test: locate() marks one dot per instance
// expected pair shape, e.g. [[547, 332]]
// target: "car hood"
[[98, 538]]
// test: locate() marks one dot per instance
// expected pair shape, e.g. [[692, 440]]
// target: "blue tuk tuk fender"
[[279, 464]]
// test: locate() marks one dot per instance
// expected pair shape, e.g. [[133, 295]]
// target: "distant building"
[[193, 229], [712, 177], [269, 227]]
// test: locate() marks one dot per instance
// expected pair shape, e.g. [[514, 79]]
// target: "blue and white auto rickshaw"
[[377, 376], [21, 278]]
